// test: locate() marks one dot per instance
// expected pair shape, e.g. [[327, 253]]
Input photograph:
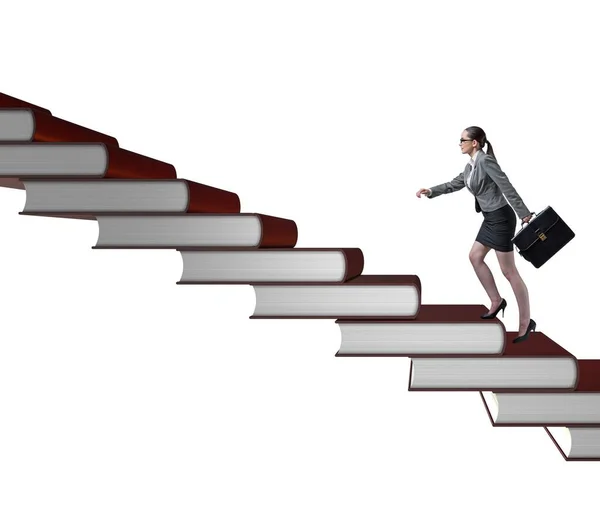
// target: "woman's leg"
[[484, 274], [509, 269]]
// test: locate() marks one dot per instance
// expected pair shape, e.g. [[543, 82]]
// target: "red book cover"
[[7, 101], [277, 232], [588, 380], [369, 280], [123, 164], [48, 128], [203, 198]]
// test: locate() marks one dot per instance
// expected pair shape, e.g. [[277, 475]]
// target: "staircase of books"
[[71, 171]]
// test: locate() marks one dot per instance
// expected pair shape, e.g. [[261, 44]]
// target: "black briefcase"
[[543, 237]]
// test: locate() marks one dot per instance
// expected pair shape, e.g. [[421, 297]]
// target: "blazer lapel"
[[474, 182], [467, 172]]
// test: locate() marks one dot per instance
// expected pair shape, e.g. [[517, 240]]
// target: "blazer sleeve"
[[455, 184], [491, 167]]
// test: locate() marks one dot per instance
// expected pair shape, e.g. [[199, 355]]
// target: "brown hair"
[[476, 133]]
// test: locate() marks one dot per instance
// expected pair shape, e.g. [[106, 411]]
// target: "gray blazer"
[[488, 184]]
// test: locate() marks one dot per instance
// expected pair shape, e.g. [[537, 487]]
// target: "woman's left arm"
[[491, 167]]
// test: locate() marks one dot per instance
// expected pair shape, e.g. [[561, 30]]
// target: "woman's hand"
[[526, 219], [423, 191]]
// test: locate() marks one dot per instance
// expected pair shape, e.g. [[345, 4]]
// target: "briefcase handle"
[[532, 214]]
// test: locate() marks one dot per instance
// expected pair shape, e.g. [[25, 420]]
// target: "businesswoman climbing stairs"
[[484, 178]]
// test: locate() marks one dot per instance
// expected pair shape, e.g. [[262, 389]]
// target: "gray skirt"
[[498, 229]]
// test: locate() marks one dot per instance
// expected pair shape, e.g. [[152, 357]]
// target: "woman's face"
[[467, 146]]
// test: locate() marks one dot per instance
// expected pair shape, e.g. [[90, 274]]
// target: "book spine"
[[123, 164], [355, 262], [206, 199], [10, 102], [277, 232], [52, 129], [588, 375]]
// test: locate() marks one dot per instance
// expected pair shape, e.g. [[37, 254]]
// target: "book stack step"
[[33, 160], [571, 419], [255, 266], [91, 198], [537, 363], [34, 125], [579, 407], [206, 231], [72, 171], [435, 330], [365, 296]]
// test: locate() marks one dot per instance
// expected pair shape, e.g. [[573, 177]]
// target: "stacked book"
[[72, 171], [571, 418], [534, 383]]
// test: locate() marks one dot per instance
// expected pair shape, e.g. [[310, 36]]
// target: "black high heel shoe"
[[530, 328], [492, 315]]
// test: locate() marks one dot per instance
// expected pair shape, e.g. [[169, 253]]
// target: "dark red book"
[[535, 364], [32, 125], [266, 265], [206, 231], [91, 197], [7, 101], [436, 330], [579, 407], [365, 296], [62, 160]]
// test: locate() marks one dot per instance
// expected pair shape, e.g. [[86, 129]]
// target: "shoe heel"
[[502, 312], [530, 329]]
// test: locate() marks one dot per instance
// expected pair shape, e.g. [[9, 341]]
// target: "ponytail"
[[490, 149]]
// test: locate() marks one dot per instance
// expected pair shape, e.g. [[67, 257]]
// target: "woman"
[[484, 178]]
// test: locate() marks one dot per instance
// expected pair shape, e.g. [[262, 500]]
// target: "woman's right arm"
[[455, 184]]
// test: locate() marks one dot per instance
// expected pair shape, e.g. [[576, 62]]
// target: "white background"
[[118, 386]]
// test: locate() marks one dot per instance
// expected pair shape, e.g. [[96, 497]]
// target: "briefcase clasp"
[[542, 236]]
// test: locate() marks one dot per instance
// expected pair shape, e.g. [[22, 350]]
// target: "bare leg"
[[509, 269], [484, 274]]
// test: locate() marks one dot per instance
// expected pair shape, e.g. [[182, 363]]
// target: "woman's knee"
[[476, 258]]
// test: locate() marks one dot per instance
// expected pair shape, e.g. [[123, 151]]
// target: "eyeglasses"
[[465, 140]]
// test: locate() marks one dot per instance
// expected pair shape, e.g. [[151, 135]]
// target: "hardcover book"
[[115, 196], [365, 296], [436, 330], [195, 231], [535, 364], [580, 407], [61, 160], [31, 125], [273, 265]]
